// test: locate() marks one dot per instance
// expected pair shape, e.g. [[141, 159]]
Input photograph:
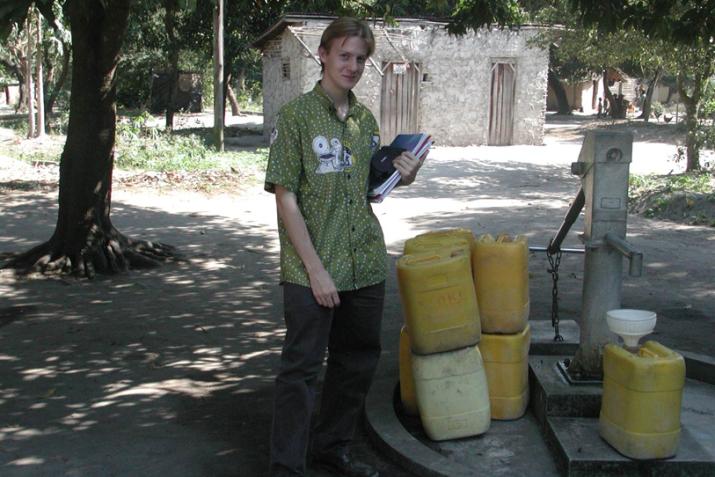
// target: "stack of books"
[[383, 175]]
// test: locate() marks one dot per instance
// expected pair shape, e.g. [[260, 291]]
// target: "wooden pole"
[[218, 75], [40, 132]]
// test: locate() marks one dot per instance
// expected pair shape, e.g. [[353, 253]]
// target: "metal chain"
[[554, 262]]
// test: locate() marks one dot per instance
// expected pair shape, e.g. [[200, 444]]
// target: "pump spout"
[[634, 256]]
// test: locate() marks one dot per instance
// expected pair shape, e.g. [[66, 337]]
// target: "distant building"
[[9, 94], [487, 87], [188, 92], [583, 95]]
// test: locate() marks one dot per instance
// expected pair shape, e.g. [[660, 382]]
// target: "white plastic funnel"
[[631, 325]]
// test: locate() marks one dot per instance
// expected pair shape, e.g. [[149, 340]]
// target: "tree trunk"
[[28, 77], [218, 75], [608, 96], [21, 95], [84, 240], [50, 71], [40, 82], [235, 110], [171, 6], [60, 83], [692, 146], [17, 71], [692, 107], [226, 86], [645, 115], [241, 79], [558, 89]]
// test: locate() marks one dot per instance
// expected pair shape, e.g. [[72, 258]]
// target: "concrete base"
[[507, 448], [568, 415], [553, 396], [558, 435], [580, 451]]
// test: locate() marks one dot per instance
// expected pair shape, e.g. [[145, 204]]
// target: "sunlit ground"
[[170, 371]]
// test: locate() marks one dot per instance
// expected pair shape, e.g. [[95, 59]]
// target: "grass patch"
[[685, 198], [19, 125], [699, 182], [159, 151], [147, 149], [155, 150]]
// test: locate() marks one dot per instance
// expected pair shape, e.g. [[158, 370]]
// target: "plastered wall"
[[454, 96]]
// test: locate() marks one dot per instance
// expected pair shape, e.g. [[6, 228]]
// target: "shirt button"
[[348, 176], [351, 202], [355, 249], [353, 229]]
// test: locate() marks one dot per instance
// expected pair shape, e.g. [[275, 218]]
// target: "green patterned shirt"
[[326, 162]]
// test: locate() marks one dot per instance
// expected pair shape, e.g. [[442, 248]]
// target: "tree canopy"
[[688, 22]]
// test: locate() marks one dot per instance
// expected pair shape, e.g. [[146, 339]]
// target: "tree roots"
[[106, 255]]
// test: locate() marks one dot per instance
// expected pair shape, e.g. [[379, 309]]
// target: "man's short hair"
[[347, 27]]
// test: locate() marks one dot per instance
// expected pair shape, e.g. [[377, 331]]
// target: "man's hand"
[[324, 290], [408, 165], [321, 283]]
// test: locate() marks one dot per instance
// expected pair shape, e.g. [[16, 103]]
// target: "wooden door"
[[399, 100], [501, 104]]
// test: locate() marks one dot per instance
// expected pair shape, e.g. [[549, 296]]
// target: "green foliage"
[[251, 99], [144, 51], [688, 22], [54, 46], [142, 147], [684, 197], [708, 103], [151, 149], [706, 126], [473, 14], [15, 12], [18, 125], [695, 182]]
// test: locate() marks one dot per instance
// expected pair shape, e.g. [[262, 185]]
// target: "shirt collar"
[[327, 101]]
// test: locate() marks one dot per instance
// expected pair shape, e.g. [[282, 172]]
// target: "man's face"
[[344, 62]]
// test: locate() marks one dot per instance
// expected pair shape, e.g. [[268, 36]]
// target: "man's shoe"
[[343, 464]]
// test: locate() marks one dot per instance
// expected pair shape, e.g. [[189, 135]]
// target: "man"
[[333, 257]]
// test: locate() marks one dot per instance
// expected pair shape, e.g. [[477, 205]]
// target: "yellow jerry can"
[[501, 279], [452, 395], [414, 246], [438, 238], [407, 381], [506, 361], [642, 394], [438, 300]]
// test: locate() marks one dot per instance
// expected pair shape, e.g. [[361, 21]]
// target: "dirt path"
[[170, 371]]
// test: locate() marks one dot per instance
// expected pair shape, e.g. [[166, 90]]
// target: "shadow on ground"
[[571, 128], [170, 371], [166, 366]]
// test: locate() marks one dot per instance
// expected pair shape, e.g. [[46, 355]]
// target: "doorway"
[[399, 99], [501, 104]]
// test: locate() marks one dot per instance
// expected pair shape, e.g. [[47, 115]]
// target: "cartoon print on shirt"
[[332, 156], [274, 136], [375, 142]]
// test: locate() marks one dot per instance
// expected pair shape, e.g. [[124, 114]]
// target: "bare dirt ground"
[[170, 371]]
